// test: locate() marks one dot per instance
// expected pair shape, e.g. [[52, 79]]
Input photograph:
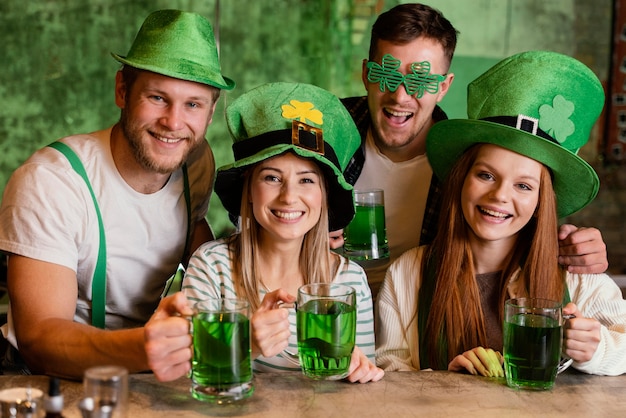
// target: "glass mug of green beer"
[[533, 339], [366, 237], [221, 369], [326, 329]]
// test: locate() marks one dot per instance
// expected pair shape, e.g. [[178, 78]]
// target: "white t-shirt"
[[405, 185], [48, 214]]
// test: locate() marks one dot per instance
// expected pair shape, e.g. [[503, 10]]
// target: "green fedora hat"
[[539, 104], [177, 44], [309, 121]]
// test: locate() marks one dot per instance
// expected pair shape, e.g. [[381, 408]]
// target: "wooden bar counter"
[[399, 394]]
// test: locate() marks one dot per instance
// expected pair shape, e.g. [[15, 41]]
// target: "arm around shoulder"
[[582, 250]]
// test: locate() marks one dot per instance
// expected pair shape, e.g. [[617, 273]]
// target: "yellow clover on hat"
[[302, 111]]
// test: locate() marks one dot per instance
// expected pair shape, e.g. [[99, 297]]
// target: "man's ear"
[[120, 90], [444, 86], [364, 73]]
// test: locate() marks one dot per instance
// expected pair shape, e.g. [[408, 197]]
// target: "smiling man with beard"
[[90, 250]]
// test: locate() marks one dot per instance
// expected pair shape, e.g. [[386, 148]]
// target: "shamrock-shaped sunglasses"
[[388, 77]]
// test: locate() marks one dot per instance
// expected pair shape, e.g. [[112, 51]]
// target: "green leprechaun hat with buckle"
[[539, 104], [301, 118], [180, 45]]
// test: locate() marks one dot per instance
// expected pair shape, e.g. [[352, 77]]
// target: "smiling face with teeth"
[[163, 120], [500, 194], [287, 195], [400, 122]]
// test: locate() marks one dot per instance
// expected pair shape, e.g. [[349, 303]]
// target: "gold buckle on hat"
[[307, 137]]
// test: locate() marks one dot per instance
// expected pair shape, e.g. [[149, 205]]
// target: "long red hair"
[[456, 312]]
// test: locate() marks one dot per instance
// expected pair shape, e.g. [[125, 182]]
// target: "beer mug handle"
[[286, 354], [564, 364], [291, 357], [565, 361]]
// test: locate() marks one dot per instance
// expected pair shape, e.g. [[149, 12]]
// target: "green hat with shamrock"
[[301, 118], [180, 45], [539, 104]]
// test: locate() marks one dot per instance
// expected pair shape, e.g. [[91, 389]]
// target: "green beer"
[[326, 334], [532, 350], [221, 367], [366, 237]]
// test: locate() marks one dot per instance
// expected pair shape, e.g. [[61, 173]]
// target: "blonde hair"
[[456, 312], [315, 254]]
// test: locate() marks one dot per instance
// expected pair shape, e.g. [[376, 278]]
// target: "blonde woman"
[[291, 142]]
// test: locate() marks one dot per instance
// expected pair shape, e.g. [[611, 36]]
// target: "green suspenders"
[[98, 286], [175, 282]]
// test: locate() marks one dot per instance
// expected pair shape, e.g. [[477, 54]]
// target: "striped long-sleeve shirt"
[[212, 264]]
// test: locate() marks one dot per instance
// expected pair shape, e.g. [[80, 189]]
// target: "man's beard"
[[133, 135]]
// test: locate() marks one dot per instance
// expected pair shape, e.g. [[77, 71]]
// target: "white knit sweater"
[[397, 342]]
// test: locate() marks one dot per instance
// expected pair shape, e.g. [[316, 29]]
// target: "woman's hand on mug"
[[581, 336], [362, 370], [270, 325], [479, 360], [167, 341]]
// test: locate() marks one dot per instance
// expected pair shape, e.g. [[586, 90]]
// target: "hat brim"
[[193, 73], [575, 182], [229, 184]]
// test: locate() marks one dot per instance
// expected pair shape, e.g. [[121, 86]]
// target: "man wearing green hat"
[[406, 75], [96, 223]]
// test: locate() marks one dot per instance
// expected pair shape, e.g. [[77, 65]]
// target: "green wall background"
[[58, 76]]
